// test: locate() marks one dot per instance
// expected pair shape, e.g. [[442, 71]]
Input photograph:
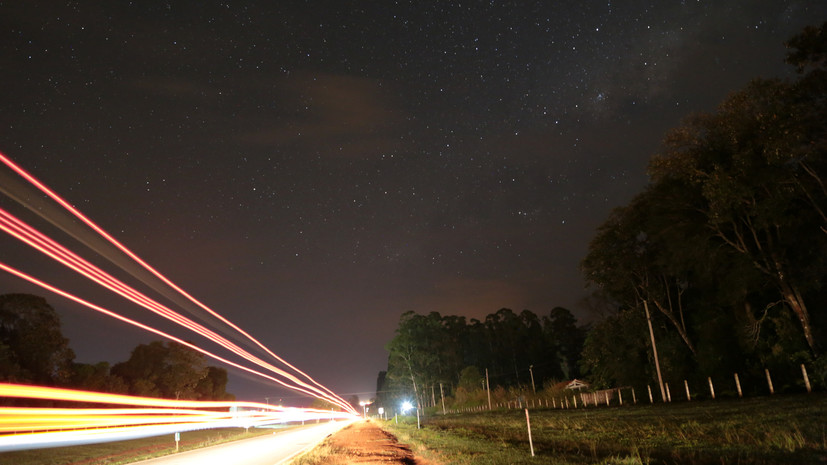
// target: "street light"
[[365, 408], [406, 406]]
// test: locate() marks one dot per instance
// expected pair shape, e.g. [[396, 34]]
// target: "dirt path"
[[365, 443]]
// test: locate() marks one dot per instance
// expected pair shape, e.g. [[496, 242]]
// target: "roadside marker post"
[[528, 424], [177, 438]]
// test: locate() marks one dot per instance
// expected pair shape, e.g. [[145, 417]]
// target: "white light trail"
[[29, 427]]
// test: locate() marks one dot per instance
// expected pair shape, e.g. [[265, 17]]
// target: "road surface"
[[271, 449]]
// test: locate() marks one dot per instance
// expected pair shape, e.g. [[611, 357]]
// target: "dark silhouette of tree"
[[161, 369], [470, 378], [757, 166], [32, 348], [213, 386], [616, 352], [728, 243], [565, 339], [808, 49], [96, 377]]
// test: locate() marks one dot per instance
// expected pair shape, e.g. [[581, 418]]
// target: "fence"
[[615, 396]]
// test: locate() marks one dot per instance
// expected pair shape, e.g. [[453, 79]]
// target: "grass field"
[[766, 430], [122, 452]]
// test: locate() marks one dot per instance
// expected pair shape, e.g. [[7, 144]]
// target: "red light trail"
[[97, 308], [68, 207], [37, 240], [296, 380]]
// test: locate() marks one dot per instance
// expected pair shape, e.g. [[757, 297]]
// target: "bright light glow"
[[25, 428], [406, 406]]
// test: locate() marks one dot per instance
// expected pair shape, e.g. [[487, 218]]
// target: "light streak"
[[39, 241], [97, 308], [44, 244], [28, 427], [66, 205]]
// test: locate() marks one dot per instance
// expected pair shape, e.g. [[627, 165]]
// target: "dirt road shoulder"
[[363, 443]]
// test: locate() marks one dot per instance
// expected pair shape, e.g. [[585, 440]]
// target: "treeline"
[[518, 350], [721, 260], [726, 248], [34, 351]]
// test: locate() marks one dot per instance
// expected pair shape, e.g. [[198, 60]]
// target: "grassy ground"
[[122, 452], [323, 454], [777, 430]]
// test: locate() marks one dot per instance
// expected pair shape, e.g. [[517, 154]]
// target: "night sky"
[[312, 170]]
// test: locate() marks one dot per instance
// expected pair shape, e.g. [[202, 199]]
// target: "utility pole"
[[488, 389], [654, 350], [531, 372]]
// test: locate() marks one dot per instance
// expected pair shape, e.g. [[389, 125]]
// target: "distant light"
[[406, 406]]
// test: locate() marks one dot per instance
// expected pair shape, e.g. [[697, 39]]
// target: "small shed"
[[577, 385]]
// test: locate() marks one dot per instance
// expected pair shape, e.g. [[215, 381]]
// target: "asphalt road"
[[271, 449]]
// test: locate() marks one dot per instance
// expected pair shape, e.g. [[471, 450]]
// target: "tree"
[[96, 377], [565, 339], [758, 165], [636, 258], [729, 240], [213, 386], [411, 354], [809, 48], [615, 352], [515, 341], [168, 370], [470, 379], [32, 348]]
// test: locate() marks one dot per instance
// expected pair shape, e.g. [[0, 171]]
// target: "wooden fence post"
[[528, 424], [769, 380], [619, 396], [649, 387], [606, 395], [668, 394], [686, 385], [634, 397], [711, 388], [738, 385]]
